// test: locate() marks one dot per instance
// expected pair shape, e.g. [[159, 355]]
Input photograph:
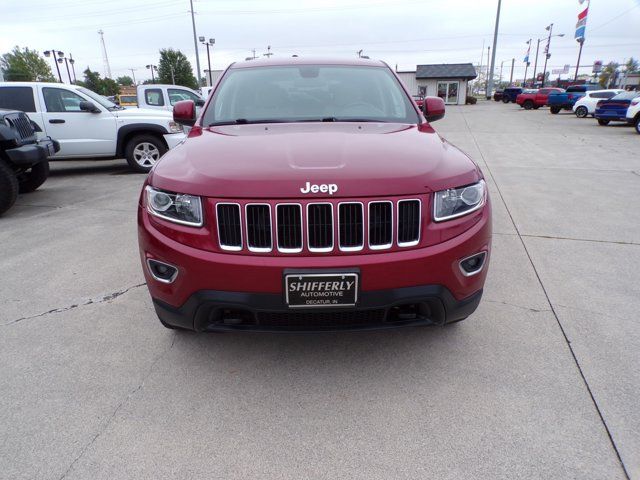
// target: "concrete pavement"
[[541, 382]]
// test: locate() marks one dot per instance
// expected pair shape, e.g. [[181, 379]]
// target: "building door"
[[448, 91]]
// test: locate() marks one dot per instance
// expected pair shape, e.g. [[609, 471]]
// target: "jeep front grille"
[[319, 226], [22, 125]]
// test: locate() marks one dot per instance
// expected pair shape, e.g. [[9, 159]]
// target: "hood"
[[143, 112], [277, 161]]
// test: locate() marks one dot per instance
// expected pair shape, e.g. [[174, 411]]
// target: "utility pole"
[[195, 43], [535, 65], [493, 57], [513, 61], [105, 58], [501, 63], [477, 84], [133, 75]]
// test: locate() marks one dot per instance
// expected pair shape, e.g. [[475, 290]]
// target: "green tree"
[[25, 65], [632, 66], [103, 86], [125, 80], [608, 74], [174, 67]]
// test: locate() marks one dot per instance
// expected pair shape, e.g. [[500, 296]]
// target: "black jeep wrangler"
[[24, 164]]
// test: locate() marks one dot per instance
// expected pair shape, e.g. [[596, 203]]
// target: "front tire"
[[528, 105], [603, 122], [554, 110], [143, 152], [8, 187], [637, 124], [31, 180], [505, 99], [582, 112]]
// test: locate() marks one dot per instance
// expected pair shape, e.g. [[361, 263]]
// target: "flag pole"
[[581, 41]]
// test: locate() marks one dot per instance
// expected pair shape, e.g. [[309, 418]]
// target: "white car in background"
[[163, 97], [633, 113], [586, 105]]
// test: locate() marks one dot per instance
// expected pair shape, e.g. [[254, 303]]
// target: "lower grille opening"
[[346, 318]]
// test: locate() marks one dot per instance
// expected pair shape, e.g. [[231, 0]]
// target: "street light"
[[66, 61], [210, 43], [535, 65], [152, 68], [73, 69], [546, 51], [53, 53]]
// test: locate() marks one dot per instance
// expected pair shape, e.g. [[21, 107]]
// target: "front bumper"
[[211, 310], [31, 154], [174, 139], [428, 279]]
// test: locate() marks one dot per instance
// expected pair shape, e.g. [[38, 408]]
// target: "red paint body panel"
[[539, 99]]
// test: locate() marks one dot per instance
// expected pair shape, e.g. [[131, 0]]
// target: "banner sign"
[[560, 71], [597, 66], [581, 25]]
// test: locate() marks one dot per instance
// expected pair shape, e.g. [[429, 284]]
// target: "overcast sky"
[[401, 32]]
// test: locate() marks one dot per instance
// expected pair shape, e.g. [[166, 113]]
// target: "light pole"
[[501, 64], [65, 60], [546, 51], [53, 53], [152, 68], [493, 57], [73, 69], [210, 43], [513, 61], [269, 52], [133, 75], [535, 65]]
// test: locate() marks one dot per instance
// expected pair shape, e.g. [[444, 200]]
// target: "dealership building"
[[446, 80]]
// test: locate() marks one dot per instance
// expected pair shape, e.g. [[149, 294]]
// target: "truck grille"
[[22, 125], [294, 226]]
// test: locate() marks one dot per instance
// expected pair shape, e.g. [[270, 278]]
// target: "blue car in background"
[[615, 108], [510, 93]]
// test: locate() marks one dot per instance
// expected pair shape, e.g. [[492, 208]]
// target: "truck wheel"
[[528, 105], [554, 110], [603, 122], [143, 151], [8, 187], [505, 99], [581, 112], [637, 124], [31, 180]]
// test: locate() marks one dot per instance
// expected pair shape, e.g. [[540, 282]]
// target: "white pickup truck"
[[87, 125], [164, 97]]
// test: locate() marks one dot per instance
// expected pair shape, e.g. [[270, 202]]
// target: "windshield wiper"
[[244, 121]]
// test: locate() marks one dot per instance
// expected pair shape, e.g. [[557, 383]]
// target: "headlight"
[[455, 202], [175, 127], [175, 207]]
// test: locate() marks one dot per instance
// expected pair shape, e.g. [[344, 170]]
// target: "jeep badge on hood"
[[331, 188]]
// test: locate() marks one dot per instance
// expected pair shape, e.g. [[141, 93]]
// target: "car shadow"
[[61, 168]]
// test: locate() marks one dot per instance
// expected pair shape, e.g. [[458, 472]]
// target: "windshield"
[[309, 93], [98, 98], [626, 96]]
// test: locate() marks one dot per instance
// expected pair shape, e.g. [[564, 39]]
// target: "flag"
[[581, 25], [526, 57]]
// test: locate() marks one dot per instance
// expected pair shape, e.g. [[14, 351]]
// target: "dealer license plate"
[[321, 290]]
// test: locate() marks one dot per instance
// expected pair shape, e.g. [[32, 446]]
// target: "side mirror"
[[433, 108], [88, 107], [199, 103], [184, 113]]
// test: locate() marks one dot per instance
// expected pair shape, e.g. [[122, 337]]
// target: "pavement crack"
[[122, 403], [552, 237], [635, 173], [105, 298], [535, 310]]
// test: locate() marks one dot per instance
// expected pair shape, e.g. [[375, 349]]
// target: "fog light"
[[162, 272], [472, 265]]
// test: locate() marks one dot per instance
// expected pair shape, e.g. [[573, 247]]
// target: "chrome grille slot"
[[350, 226], [320, 227], [408, 222], [380, 225], [229, 226], [258, 219], [289, 227]]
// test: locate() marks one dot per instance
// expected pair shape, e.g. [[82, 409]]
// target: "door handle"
[[56, 120]]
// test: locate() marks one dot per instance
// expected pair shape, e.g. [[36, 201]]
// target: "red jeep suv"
[[313, 195]]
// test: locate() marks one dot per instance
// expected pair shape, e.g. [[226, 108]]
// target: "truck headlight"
[[175, 207], [456, 202], [175, 127]]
